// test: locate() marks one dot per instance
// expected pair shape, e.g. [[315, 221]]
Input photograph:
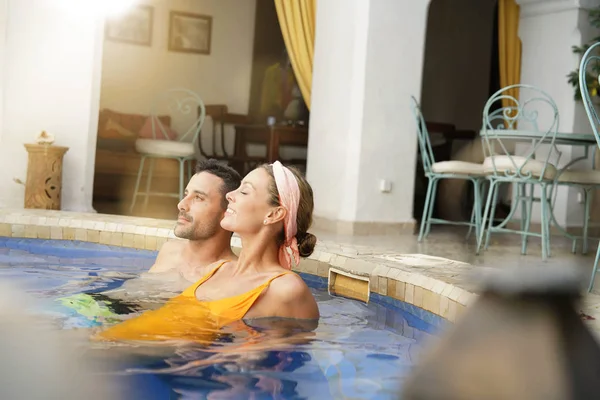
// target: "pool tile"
[[43, 232], [116, 238], [444, 306], [139, 241], [150, 243], [93, 236], [56, 232], [30, 231], [105, 237], [409, 293], [382, 287], [400, 291], [418, 296], [81, 234], [128, 239], [68, 233], [5, 229], [391, 287], [323, 269]]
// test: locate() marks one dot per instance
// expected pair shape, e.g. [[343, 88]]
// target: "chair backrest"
[[532, 117], [425, 149], [589, 81], [187, 113]]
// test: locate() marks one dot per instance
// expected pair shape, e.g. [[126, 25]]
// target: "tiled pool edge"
[[386, 277]]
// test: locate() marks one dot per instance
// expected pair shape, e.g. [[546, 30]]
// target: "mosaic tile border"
[[397, 277]]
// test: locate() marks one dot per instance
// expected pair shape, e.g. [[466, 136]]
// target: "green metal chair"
[[436, 171], [503, 114], [187, 112], [589, 76]]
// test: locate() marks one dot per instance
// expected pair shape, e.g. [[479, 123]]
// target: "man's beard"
[[196, 231]]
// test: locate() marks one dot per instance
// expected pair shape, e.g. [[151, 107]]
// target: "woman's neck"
[[258, 251]]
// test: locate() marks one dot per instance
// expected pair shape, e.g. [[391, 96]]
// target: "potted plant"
[[593, 85]]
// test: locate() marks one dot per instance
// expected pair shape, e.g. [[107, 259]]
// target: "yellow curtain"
[[509, 46], [297, 21]]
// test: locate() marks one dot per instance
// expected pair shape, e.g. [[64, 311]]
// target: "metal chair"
[[182, 105], [589, 78], [436, 171], [502, 114]]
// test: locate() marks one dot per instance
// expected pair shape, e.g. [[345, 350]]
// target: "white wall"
[[368, 62], [51, 69], [133, 75]]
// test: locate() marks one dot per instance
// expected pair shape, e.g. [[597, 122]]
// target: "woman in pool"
[[271, 211]]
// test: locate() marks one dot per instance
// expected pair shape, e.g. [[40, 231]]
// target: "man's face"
[[201, 209]]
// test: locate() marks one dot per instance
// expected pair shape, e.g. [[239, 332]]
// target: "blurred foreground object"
[[42, 362], [521, 339]]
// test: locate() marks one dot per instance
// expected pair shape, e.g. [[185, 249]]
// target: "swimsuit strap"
[[191, 290]]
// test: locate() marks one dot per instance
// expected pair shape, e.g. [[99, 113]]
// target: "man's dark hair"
[[231, 178]]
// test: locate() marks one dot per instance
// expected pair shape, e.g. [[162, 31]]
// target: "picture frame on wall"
[[133, 27], [190, 33]]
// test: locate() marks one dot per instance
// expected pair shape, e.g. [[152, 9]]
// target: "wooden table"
[[272, 136]]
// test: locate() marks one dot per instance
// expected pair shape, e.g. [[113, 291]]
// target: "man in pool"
[[200, 214], [180, 262]]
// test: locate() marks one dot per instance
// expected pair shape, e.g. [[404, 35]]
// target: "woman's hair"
[[306, 241]]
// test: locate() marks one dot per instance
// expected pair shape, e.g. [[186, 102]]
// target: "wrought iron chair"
[[502, 115], [436, 171], [181, 104], [589, 77]]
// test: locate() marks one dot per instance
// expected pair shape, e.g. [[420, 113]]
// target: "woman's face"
[[249, 204]]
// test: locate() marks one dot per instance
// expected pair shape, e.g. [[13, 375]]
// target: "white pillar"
[[368, 62], [548, 29], [52, 68]]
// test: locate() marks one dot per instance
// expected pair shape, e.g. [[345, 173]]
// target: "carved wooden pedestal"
[[44, 176]]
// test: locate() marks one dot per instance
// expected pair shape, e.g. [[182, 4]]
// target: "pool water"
[[357, 351]]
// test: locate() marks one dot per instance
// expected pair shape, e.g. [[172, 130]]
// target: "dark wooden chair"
[[220, 116]]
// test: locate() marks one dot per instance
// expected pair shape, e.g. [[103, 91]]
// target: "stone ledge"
[[423, 281]]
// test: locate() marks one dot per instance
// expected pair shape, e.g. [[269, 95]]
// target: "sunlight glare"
[[97, 8]]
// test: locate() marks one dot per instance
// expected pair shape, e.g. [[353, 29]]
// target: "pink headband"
[[289, 197]]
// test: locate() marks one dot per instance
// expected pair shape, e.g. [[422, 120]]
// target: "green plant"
[[593, 73]]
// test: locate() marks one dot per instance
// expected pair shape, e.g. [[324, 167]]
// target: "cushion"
[[164, 148], [507, 163], [160, 130], [114, 130], [458, 167]]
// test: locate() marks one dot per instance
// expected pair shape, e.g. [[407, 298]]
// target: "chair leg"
[[137, 184], [189, 165], [544, 222], [431, 206], [149, 182], [529, 212], [492, 215], [476, 212], [595, 269], [424, 217], [587, 193], [491, 191], [181, 172]]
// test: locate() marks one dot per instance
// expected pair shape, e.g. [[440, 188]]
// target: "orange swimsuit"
[[186, 318]]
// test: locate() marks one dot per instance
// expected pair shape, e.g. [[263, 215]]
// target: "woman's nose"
[[229, 196]]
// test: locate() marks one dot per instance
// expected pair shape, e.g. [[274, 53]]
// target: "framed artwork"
[[189, 33], [133, 27]]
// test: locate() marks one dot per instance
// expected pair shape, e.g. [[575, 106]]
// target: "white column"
[[368, 62], [52, 60], [548, 29]]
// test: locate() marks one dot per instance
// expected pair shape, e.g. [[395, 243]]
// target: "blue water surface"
[[358, 351]]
